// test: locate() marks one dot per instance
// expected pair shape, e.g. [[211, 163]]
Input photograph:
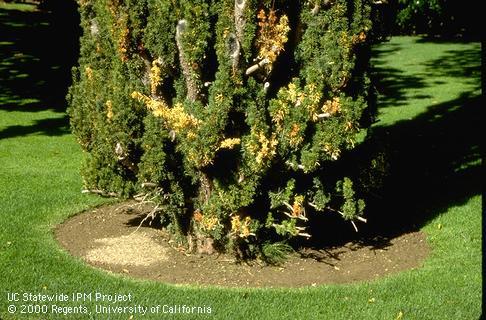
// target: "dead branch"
[[148, 185], [302, 234], [102, 193], [313, 205], [256, 66], [341, 213], [140, 196], [293, 215], [151, 215], [324, 115], [352, 222], [266, 86], [120, 152], [93, 28]]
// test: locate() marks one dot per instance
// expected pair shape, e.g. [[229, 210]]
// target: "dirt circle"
[[109, 238]]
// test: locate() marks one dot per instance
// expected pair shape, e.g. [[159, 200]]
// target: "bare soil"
[[107, 237]]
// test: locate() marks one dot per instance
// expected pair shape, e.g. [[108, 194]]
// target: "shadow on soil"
[[434, 159], [37, 51]]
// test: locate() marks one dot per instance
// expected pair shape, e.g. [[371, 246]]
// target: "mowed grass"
[[40, 187]]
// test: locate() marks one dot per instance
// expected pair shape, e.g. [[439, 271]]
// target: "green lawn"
[[428, 114]]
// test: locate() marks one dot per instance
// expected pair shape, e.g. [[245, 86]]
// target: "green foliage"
[[192, 102], [277, 199], [438, 17], [275, 253], [351, 207], [420, 15]]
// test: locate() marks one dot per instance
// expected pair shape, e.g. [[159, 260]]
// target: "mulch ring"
[[107, 237]]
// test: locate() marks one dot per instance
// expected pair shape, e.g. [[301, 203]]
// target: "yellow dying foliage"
[[124, 42], [359, 38], [295, 136], [206, 222], [176, 118], [197, 158], [197, 216], [279, 114], [265, 149], [334, 152], [241, 228], [332, 106], [109, 110], [293, 96], [298, 206], [272, 35], [209, 223], [89, 73], [155, 77], [229, 143], [313, 97]]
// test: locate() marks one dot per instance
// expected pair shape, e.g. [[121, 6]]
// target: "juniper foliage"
[[231, 115]]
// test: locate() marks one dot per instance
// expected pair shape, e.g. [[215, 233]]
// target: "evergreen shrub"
[[232, 117]]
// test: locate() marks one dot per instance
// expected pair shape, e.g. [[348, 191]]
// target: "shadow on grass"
[[394, 85], [434, 159], [37, 51], [458, 63], [47, 127], [391, 83], [434, 165]]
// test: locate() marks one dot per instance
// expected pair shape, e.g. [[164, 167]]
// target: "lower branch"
[[256, 66], [102, 193]]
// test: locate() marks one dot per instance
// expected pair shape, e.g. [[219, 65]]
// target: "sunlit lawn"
[[427, 94]]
